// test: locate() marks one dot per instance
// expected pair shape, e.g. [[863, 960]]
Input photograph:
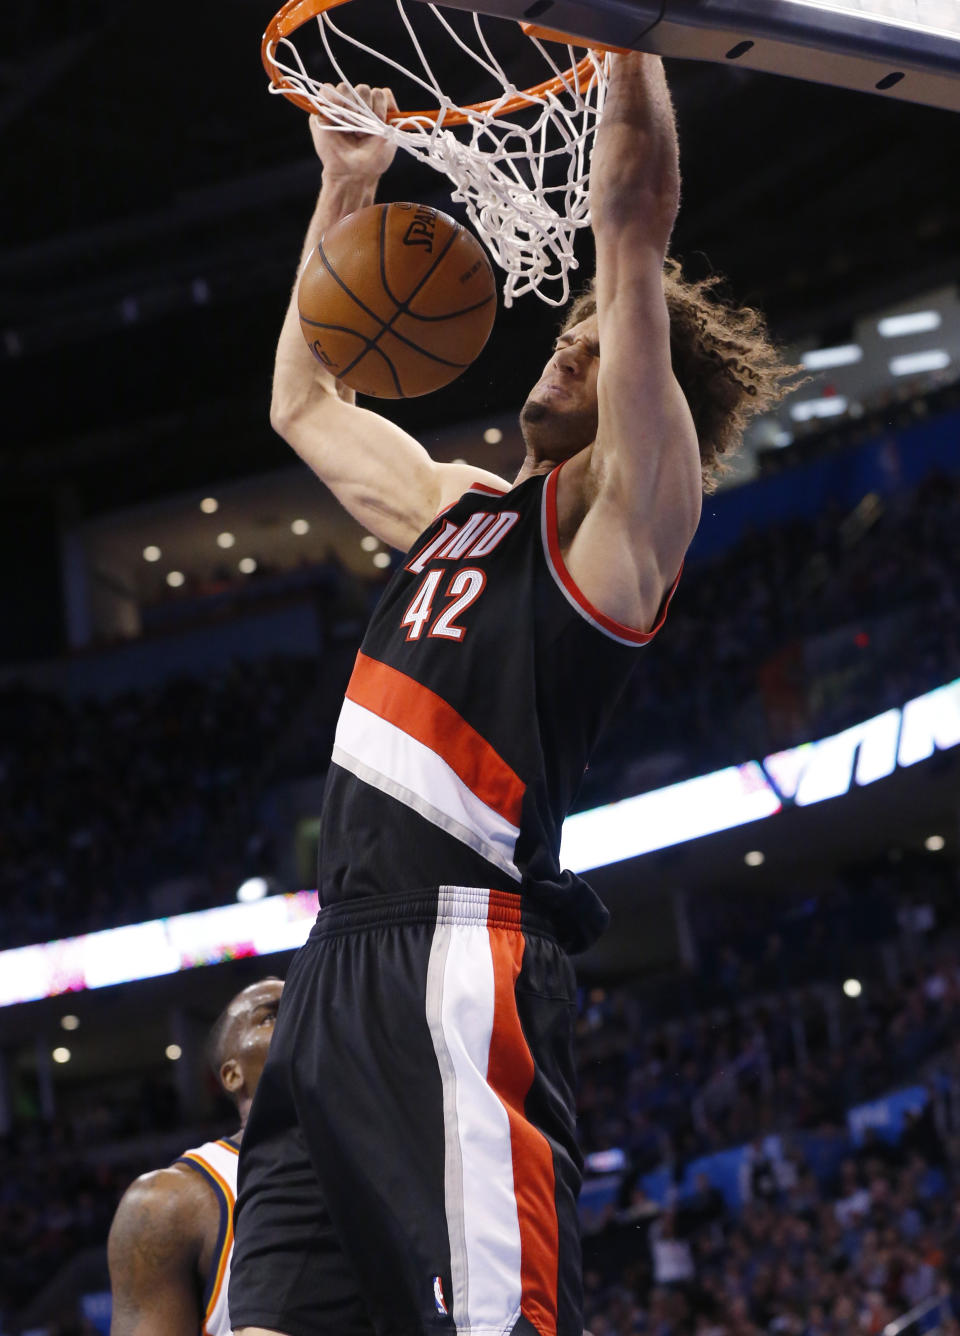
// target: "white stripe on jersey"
[[393, 761], [221, 1160]]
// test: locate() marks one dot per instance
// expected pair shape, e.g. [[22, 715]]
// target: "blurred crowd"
[[793, 633], [806, 1258], [760, 1037], [103, 800]]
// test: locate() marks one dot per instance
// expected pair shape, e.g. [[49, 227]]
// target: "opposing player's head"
[[559, 418], [240, 1039], [723, 358]]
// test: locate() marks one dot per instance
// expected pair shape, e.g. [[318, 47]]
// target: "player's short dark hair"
[[217, 1046], [724, 360]]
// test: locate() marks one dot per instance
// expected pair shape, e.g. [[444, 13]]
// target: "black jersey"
[[479, 691]]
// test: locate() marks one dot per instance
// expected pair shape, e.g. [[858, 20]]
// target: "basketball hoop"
[[520, 164]]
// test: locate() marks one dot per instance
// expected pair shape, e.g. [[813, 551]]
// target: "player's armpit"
[[381, 475], [153, 1253]]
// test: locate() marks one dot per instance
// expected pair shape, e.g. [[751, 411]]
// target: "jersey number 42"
[[464, 588]]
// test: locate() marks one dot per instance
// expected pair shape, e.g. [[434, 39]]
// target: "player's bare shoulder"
[[455, 479], [162, 1220]]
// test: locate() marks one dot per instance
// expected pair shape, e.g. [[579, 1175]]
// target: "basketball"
[[397, 300]]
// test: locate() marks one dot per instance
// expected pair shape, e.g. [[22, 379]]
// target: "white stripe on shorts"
[[482, 1221]]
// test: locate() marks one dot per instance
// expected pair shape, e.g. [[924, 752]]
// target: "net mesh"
[[523, 176]]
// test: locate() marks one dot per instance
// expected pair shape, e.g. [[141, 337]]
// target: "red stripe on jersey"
[[612, 627], [424, 715], [510, 1072]]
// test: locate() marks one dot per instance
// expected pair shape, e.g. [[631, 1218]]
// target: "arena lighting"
[[493, 436], [803, 775], [657, 820], [246, 565], [911, 364], [755, 858], [913, 322], [254, 888], [174, 1052], [225, 540], [934, 843], [300, 527], [161, 946], [175, 579], [369, 543], [209, 505], [852, 987], [61, 1055], [832, 405], [845, 354], [151, 552], [673, 815], [70, 1022], [381, 560]]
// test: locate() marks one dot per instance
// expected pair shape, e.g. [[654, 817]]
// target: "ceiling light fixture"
[[833, 405], [912, 322], [911, 364], [254, 888], [844, 354]]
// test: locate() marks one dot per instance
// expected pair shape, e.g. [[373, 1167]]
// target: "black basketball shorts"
[[409, 1163]]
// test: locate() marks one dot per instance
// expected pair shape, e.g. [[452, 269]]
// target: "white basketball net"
[[523, 177]]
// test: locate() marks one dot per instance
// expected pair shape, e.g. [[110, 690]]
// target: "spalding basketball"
[[397, 300]]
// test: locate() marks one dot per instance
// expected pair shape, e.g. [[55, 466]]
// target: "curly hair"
[[723, 358]]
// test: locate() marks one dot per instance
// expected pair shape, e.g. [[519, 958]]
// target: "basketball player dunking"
[[410, 1163], [172, 1236]]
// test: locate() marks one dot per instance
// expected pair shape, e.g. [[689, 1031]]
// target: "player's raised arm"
[[379, 473], [642, 480], [153, 1252]]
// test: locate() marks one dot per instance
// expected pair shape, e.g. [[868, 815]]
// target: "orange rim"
[[295, 13]]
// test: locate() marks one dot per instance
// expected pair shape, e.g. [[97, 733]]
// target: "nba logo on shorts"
[[438, 1299]]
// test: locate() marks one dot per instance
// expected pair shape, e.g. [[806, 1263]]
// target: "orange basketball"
[[397, 300]]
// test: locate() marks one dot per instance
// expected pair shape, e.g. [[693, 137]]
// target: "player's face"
[[253, 1028], [559, 418]]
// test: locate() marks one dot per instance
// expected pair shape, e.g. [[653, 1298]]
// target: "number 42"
[[464, 588]]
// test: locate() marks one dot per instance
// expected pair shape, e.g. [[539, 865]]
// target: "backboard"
[[905, 49]]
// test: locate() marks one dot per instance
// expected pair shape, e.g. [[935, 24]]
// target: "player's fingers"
[[382, 102], [364, 92]]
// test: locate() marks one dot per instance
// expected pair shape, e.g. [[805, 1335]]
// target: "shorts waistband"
[[467, 906]]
